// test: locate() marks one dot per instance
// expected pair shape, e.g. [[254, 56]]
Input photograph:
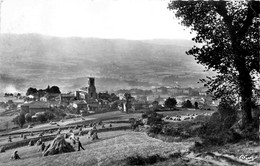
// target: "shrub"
[[49, 115], [156, 129], [41, 118], [152, 117], [216, 129], [28, 117], [139, 160], [19, 120]]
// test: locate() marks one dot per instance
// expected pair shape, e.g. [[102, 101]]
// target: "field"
[[111, 148], [114, 147], [184, 111]]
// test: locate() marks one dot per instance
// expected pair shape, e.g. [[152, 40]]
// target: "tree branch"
[[253, 11], [222, 11]]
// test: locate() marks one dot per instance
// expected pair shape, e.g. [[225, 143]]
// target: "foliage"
[[28, 117], [140, 160], [215, 130], [31, 91], [229, 33], [19, 120], [187, 104], [170, 102], [49, 115], [196, 105], [152, 117], [41, 118], [114, 106], [227, 110], [54, 89], [59, 112]]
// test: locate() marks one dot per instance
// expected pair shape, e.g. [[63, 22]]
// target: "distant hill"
[[35, 60]]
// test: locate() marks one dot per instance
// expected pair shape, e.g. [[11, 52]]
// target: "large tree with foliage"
[[19, 120], [229, 33], [170, 103]]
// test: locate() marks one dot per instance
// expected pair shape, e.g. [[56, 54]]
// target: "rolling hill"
[[38, 61]]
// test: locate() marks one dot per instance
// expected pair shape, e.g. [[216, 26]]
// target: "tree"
[[28, 117], [170, 103], [21, 120], [229, 32], [155, 105], [187, 104], [41, 118], [54, 89], [31, 91], [196, 105], [49, 115]]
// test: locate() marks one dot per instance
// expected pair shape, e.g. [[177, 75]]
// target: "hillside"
[[113, 147], [35, 60]]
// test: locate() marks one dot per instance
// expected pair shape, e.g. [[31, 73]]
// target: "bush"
[[216, 129], [41, 118], [156, 129], [28, 117], [152, 117], [49, 115], [19, 120], [139, 160]]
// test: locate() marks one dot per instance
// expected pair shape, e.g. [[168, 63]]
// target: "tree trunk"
[[245, 88], [244, 79]]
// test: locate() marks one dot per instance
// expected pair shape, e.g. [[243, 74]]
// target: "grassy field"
[[6, 120], [113, 147], [185, 111]]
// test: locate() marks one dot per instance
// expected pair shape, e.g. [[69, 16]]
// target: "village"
[[87, 100]]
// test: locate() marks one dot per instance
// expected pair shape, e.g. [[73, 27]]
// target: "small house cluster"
[[85, 100]]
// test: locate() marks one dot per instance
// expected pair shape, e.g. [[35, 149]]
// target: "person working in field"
[[15, 156], [79, 145]]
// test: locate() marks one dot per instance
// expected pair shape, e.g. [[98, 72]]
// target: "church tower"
[[92, 94]]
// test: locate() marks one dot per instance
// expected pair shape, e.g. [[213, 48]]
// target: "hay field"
[[112, 147]]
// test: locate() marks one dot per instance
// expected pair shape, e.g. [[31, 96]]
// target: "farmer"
[[79, 145], [94, 135], [42, 147], [80, 133], [15, 156], [30, 143]]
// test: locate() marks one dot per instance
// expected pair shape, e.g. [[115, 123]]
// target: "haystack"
[[2, 149], [59, 145]]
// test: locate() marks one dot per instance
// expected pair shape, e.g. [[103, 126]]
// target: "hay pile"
[[58, 146], [2, 149]]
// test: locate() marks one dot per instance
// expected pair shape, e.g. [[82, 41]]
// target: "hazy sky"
[[129, 19]]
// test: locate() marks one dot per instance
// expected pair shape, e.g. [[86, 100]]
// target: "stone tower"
[[92, 94]]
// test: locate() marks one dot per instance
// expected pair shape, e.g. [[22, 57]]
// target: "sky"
[[126, 19]]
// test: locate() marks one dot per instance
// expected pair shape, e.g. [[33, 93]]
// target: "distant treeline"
[[53, 89]]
